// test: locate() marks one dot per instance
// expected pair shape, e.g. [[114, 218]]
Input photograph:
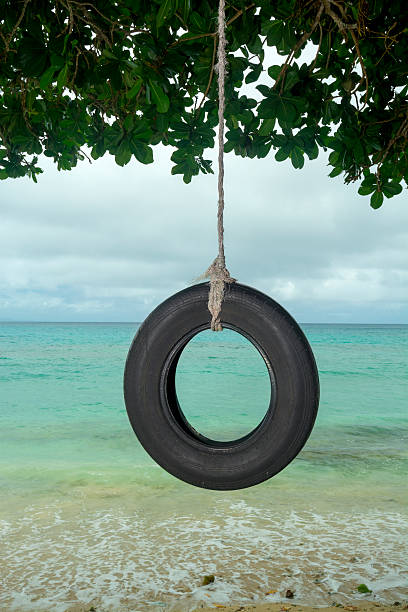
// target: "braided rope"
[[217, 272]]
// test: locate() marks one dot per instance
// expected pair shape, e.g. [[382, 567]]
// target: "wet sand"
[[357, 606], [59, 558]]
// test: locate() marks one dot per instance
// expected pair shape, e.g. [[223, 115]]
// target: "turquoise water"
[[62, 407], [223, 385], [71, 466]]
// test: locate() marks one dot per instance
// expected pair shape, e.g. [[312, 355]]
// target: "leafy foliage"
[[121, 77]]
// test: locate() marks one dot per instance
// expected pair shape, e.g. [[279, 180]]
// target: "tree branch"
[[239, 13], [14, 30], [211, 76], [296, 48]]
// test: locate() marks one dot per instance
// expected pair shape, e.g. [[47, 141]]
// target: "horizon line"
[[140, 322]]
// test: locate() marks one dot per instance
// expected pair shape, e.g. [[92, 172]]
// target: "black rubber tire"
[[154, 411]]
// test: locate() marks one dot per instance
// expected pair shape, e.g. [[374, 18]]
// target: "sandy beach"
[[357, 606]]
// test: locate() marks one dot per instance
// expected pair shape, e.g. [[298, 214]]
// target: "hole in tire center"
[[223, 385]]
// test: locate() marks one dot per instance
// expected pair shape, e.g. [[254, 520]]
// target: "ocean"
[[87, 517]]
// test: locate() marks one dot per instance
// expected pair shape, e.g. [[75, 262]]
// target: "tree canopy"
[[123, 76]]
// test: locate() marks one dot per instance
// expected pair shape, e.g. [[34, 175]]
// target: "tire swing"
[[150, 372]]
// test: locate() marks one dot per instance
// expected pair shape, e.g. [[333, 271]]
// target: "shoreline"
[[354, 606]]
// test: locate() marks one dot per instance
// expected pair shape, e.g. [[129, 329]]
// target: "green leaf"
[[358, 151], [288, 40], [267, 127], [290, 79], [128, 122], [335, 172], [141, 151], [312, 151], [274, 33], [3, 175], [287, 112], [263, 89], [246, 117], [282, 154], [278, 106], [191, 162], [234, 135], [197, 23], [391, 189], [57, 61], [181, 126], [47, 77], [366, 190], [274, 71], [185, 7], [134, 90], [254, 75], [95, 153], [159, 97], [3, 153], [108, 54], [64, 48], [376, 199], [181, 168], [32, 55], [297, 159], [262, 150], [268, 108], [255, 45], [123, 157], [369, 181], [165, 11], [206, 166], [62, 77], [334, 157]]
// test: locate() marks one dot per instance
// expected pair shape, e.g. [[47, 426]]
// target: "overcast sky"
[[104, 243]]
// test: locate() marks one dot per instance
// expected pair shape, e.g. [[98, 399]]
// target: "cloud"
[[108, 243]]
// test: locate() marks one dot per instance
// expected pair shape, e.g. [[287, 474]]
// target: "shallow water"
[[93, 518]]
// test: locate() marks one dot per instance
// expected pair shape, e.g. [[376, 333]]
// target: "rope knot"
[[219, 276]]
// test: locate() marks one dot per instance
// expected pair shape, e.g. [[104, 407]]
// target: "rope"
[[217, 272]]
